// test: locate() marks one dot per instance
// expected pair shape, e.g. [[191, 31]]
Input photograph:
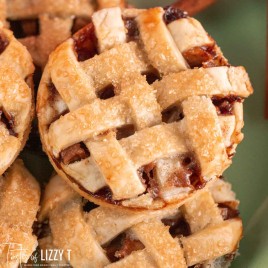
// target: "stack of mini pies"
[[139, 113]]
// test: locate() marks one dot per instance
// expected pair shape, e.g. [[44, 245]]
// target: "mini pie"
[[16, 97], [19, 203], [139, 108], [204, 232], [43, 24]]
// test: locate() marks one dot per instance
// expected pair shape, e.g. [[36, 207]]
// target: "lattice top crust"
[[41, 25], [206, 230], [140, 108], [19, 203]]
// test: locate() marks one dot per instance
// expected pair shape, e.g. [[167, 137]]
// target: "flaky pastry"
[[140, 108], [204, 232]]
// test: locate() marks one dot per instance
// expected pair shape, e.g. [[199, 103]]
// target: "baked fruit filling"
[[205, 55], [131, 26], [24, 28], [121, 247], [172, 14], [228, 211], [185, 174], [85, 43], [225, 106], [8, 121], [3, 43], [129, 104], [76, 152], [30, 27]]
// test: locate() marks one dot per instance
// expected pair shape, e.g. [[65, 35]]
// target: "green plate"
[[238, 26]]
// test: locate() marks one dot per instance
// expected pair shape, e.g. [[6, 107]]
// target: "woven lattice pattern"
[[205, 228], [127, 140], [42, 25]]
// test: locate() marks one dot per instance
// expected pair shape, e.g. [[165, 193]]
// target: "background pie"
[[204, 232], [43, 24], [19, 203], [16, 97]]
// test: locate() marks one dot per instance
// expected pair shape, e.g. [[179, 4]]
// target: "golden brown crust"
[[223, 240], [217, 81], [2, 10], [205, 127], [56, 21], [209, 237], [19, 203], [158, 42], [111, 3], [16, 99]]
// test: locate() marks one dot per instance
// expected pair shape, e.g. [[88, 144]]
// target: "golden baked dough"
[[121, 138], [43, 24], [19, 203], [202, 231]]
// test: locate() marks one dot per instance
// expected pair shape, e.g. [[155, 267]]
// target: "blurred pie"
[[43, 24]]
